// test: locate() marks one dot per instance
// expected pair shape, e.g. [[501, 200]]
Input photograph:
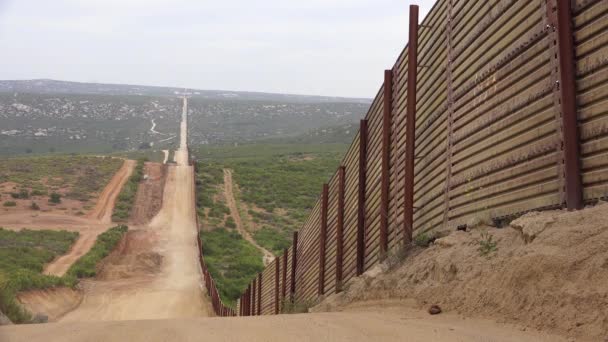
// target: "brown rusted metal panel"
[[284, 275], [340, 229], [410, 141], [387, 120], [323, 238], [259, 304], [567, 86], [276, 286], [361, 198], [294, 262], [248, 301], [254, 297]]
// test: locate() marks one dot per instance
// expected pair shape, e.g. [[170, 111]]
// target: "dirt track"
[[381, 323], [172, 288], [86, 227], [234, 212], [105, 204]]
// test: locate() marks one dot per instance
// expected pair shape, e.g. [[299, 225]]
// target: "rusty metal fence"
[[495, 108]]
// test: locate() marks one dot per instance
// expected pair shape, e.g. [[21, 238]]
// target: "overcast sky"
[[316, 47]]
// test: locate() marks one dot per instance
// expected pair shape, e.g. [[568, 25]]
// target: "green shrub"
[[10, 204], [234, 270], [55, 198], [272, 240], [230, 223], [487, 245], [424, 239], [23, 255], [86, 266], [34, 206]]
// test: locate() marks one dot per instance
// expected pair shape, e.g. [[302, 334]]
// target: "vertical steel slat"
[[284, 283], [323, 238], [259, 306], [410, 128], [361, 197], [276, 285], [567, 86], [387, 119], [253, 297], [294, 262], [340, 229]]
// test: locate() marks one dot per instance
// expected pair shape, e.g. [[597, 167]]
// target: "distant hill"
[[45, 86], [42, 116]]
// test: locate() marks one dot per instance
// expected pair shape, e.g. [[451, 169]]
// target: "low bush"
[[55, 198], [86, 266], [272, 240], [34, 206], [10, 204], [232, 261]]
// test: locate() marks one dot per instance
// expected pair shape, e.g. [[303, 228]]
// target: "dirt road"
[[100, 220], [234, 212], [383, 324], [175, 289], [105, 204]]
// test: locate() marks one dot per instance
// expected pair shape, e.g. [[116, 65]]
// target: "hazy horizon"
[[334, 48]]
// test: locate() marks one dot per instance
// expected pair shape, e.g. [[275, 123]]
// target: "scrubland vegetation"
[[231, 260], [86, 266], [23, 255], [71, 176], [278, 183]]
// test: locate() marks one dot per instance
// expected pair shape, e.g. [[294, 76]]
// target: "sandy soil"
[[549, 272], [381, 324], [54, 303], [234, 212], [66, 207], [149, 198], [105, 204], [155, 273]]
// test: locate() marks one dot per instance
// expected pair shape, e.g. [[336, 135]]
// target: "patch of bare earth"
[[549, 272], [149, 198], [53, 303], [67, 206]]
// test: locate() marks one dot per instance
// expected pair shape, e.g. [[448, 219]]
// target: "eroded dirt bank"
[[549, 272]]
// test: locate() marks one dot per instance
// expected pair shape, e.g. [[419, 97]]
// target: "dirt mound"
[[149, 198], [548, 271], [52, 303], [132, 257]]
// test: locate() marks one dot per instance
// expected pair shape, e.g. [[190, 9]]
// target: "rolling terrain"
[[46, 116]]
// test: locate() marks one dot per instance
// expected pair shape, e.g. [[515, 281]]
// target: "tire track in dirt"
[[234, 212], [105, 204]]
